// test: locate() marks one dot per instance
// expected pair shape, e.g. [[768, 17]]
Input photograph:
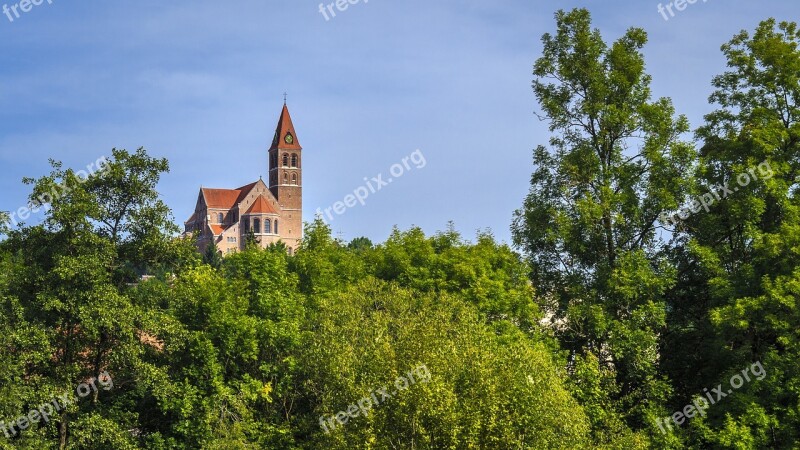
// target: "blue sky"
[[201, 83]]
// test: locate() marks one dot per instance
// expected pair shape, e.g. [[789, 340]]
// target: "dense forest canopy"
[[650, 299]]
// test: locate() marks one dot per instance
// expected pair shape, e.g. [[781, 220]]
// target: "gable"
[[258, 190]]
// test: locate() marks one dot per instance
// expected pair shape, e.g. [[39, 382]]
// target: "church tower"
[[286, 178]]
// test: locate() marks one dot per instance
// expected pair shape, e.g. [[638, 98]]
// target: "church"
[[272, 212]]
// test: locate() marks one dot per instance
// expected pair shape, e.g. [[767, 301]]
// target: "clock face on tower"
[[289, 138]]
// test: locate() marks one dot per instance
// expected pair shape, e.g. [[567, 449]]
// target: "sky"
[[201, 83]]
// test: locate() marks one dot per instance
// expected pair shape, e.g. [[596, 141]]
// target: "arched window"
[[276, 226], [257, 226], [246, 226], [267, 227], [294, 160], [291, 251], [285, 160], [220, 218], [294, 178], [285, 178]]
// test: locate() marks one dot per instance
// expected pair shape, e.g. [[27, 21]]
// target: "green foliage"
[[4, 222], [485, 390], [486, 274], [738, 299], [589, 222], [324, 264], [68, 318], [250, 240], [599, 329], [360, 244], [212, 255], [248, 351]]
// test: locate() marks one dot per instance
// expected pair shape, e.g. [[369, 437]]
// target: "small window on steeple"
[[294, 160], [220, 218], [285, 160], [294, 179]]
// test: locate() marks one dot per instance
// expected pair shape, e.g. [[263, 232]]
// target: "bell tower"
[[286, 179]]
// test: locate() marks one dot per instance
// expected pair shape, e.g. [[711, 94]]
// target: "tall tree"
[[738, 304], [590, 222], [212, 255], [67, 276]]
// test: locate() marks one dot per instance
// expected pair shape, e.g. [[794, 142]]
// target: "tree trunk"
[[62, 432]]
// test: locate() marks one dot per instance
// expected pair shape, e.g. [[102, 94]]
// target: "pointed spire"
[[285, 136]]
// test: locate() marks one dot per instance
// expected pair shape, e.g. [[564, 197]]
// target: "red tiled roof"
[[261, 206], [217, 229], [244, 190], [284, 128], [226, 198], [220, 198]]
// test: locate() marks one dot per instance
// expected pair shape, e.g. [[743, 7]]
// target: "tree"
[[482, 389], [487, 274], [738, 302], [324, 264], [212, 256], [360, 244], [119, 202], [4, 223], [589, 224], [251, 240], [66, 278]]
